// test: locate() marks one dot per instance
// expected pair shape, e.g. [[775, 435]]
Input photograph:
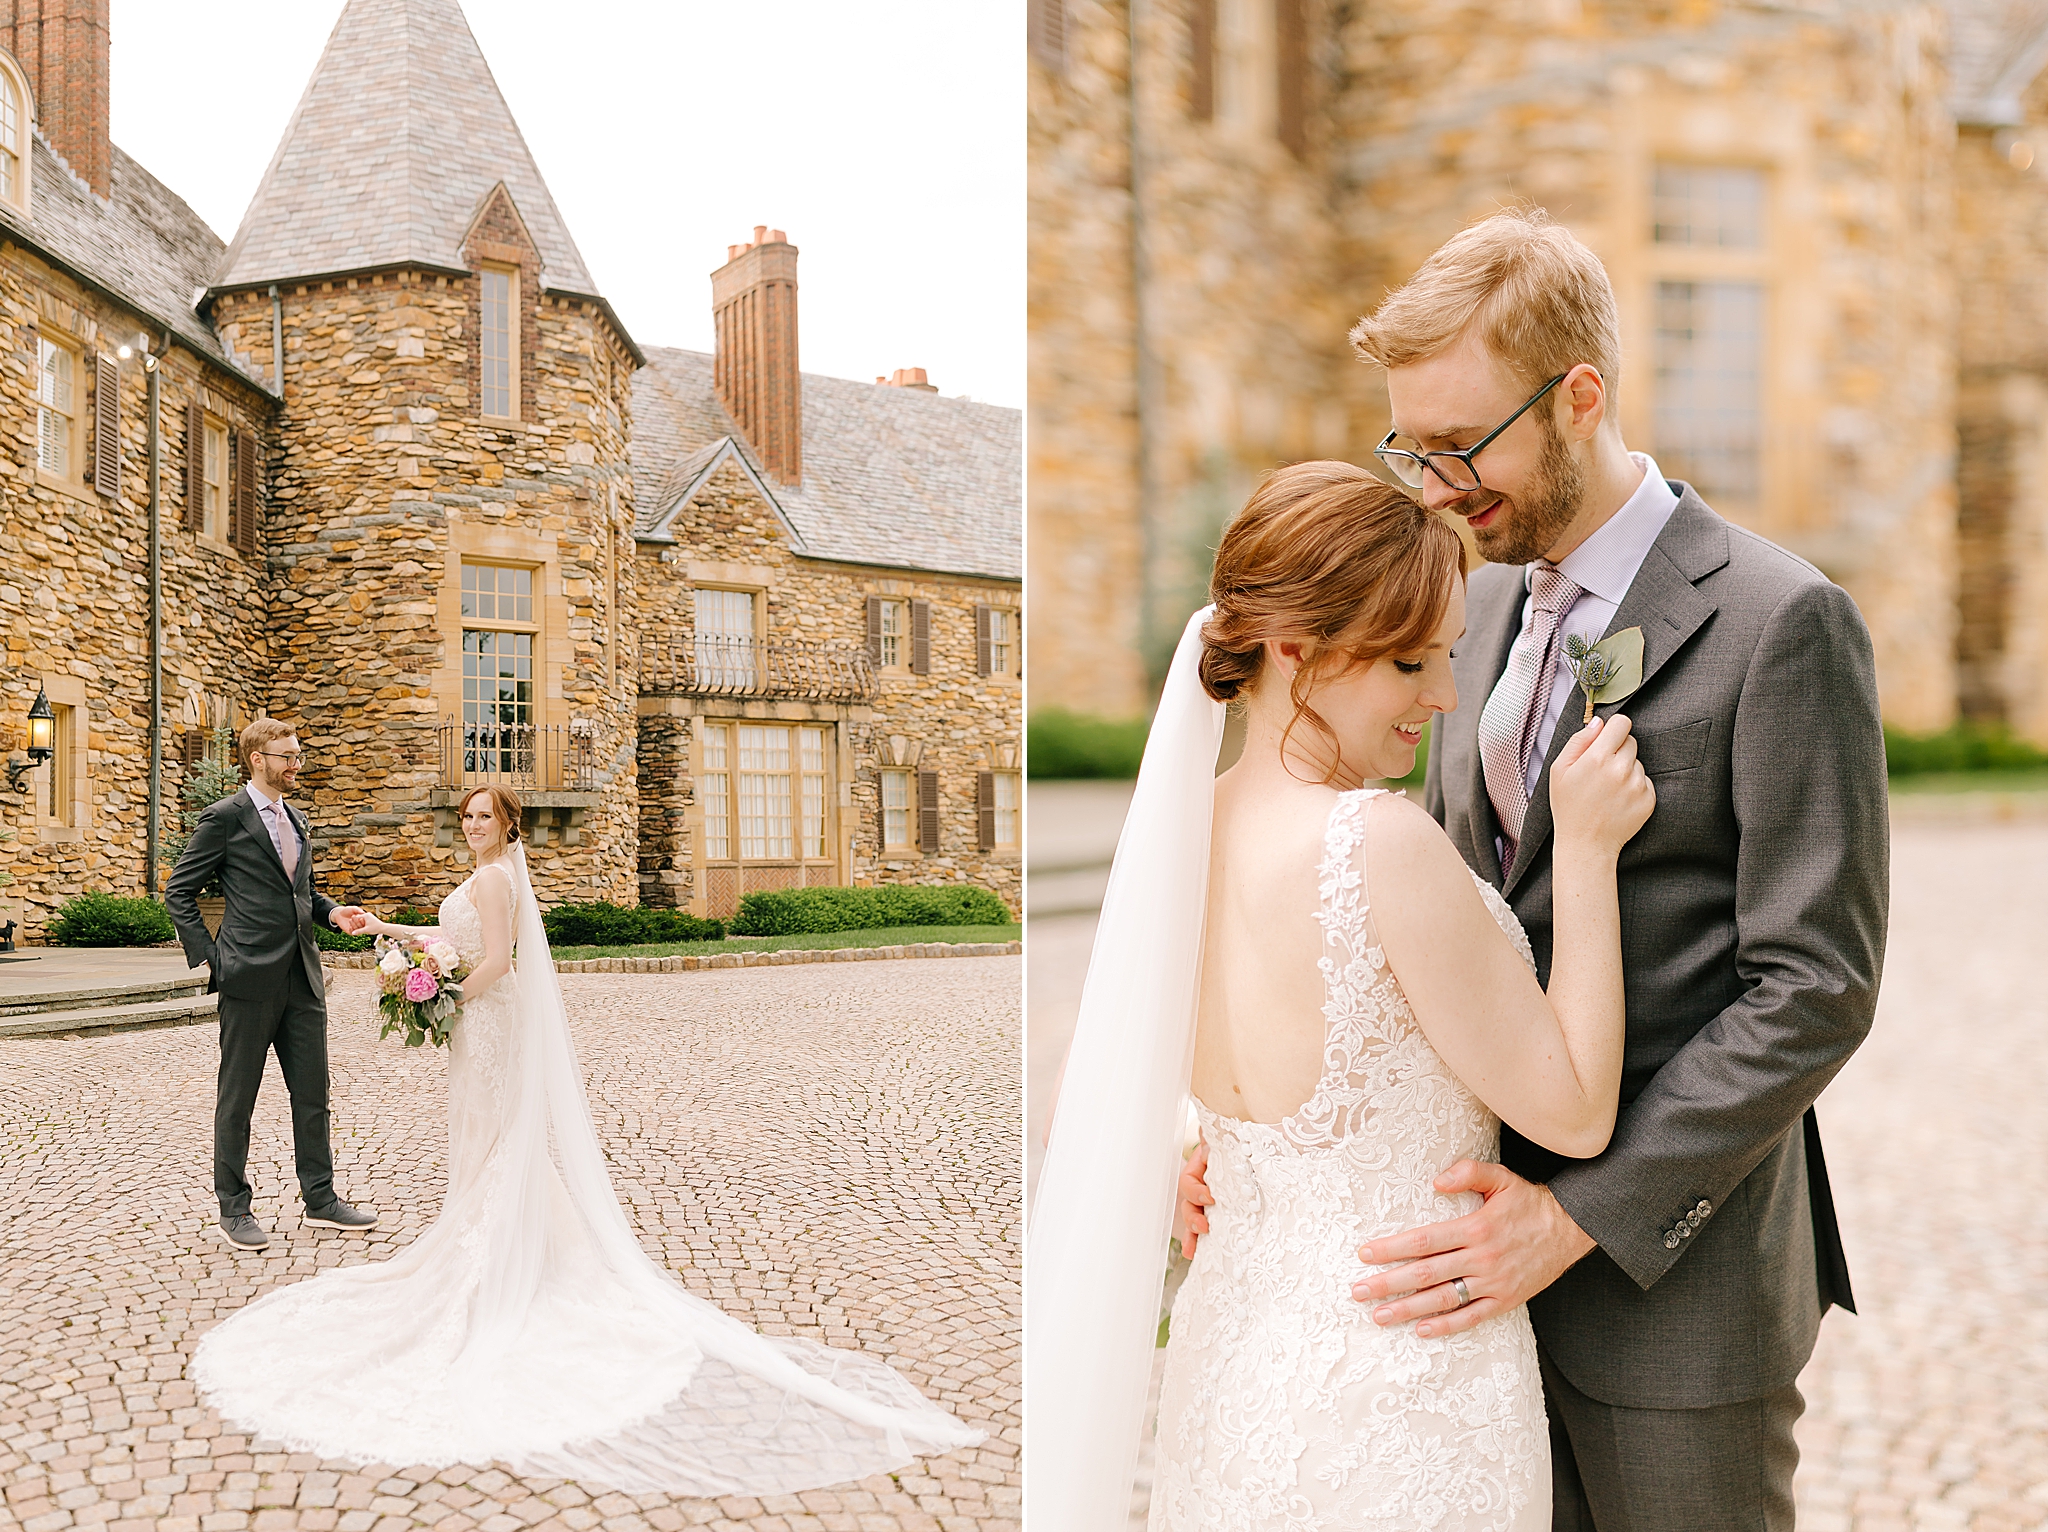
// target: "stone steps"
[[61, 1016], [788, 956]]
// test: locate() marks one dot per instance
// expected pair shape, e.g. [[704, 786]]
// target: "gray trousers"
[[293, 1021], [1727, 1468]]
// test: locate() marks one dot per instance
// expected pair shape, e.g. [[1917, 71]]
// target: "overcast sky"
[[888, 140]]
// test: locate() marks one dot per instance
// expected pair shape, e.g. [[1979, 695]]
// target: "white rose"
[[445, 957], [393, 961]]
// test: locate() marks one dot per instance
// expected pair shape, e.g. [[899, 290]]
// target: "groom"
[[266, 968], [1676, 1283]]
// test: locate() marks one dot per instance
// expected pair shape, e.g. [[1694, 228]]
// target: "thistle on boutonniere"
[[1609, 671]]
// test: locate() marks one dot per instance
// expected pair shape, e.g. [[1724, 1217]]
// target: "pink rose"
[[421, 986]]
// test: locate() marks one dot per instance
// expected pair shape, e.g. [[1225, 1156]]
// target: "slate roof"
[[1996, 50], [141, 243], [399, 136], [891, 476]]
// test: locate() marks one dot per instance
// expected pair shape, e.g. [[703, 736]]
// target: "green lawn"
[[893, 936], [1970, 782]]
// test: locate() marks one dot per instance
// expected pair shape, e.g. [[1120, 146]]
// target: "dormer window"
[[14, 134]]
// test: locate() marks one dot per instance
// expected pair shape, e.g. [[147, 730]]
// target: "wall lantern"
[[42, 741]]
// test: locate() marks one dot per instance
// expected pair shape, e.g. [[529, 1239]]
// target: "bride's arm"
[[1548, 1065], [492, 892], [372, 926]]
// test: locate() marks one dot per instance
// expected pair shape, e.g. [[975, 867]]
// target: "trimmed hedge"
[[109, 920], [814, 911], [332, 940], [612, 925], [1962, 747], [1061, 744]]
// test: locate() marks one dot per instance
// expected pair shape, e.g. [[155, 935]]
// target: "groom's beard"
[[1539, 517]]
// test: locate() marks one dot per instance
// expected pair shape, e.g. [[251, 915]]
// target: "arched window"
[[17, 110]]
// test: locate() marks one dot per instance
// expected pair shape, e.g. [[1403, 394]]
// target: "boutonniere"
[[1609, 671]]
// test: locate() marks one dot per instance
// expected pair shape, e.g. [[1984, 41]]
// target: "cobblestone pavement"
[[828, 1151]]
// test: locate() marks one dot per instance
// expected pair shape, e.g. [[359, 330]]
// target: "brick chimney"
[[753, 303], [63, 48], [911, 378]]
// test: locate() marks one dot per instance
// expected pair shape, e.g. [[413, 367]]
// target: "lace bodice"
[[1284, 1405]]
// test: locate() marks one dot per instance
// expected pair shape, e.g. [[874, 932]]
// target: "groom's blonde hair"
[[1540, 299], [261, 735]]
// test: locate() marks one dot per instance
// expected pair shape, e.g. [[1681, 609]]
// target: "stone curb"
[[782, 959]]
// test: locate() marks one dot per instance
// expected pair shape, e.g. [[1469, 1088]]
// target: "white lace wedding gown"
[[1283, 1405], [527, 1326]]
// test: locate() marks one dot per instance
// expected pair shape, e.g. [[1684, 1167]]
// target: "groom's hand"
[[1190, 1223], [350, 919], [1508, 1251]]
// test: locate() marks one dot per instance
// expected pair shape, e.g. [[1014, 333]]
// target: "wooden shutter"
[[928, 811], [106, 433], [921, 638], [875, 629], [1202, 45], [984, 643], [1290, 38], [195, 467], [1047, 26], [245, 491], [985, 809]]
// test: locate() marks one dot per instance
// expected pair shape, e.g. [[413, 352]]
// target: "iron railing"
[[683, 663], [533, 757]]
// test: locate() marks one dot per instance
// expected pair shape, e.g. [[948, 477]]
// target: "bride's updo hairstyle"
[[1327, 556], [504, 804]]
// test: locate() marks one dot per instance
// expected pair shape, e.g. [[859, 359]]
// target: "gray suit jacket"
[[1753, 910], [269, 921]]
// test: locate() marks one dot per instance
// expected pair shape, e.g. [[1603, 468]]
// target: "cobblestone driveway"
[[828, 1151]]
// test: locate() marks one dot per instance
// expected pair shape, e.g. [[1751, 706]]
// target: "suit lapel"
[[1662, 600], [1494, 627]]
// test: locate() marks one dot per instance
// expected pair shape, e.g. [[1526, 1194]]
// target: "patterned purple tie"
[[1508, 723]]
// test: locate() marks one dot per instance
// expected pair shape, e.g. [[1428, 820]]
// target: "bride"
[[526, 1324], [1354, 1012]]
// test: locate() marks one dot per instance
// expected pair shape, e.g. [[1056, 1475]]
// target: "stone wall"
[[1426, 115], [385, 478], [74, 596], [950, 720]]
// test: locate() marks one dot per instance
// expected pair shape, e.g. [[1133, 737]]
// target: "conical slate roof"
[[399, 136]]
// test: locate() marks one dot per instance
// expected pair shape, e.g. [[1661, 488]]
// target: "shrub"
[[1962, 747], [809, 911], [332, 940], [1063, 744], [612, 925], [108, 920]]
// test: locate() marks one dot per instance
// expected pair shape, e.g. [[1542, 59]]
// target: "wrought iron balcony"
[[522, 756], [680, 662]]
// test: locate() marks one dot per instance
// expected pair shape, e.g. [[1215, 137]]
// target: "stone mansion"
[[389, 467]]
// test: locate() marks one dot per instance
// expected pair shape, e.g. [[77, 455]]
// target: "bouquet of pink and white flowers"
[[421, 984]]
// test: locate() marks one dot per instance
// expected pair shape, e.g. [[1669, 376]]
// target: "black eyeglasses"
[[296, 760], [1453, 468]]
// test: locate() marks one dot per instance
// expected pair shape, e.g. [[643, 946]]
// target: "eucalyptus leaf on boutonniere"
[[1609, 671]]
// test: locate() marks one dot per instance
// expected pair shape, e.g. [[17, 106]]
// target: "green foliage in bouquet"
[[806, 911], [601, 924], [427, 1010], [109, 920]]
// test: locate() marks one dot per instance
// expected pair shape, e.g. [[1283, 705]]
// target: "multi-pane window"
[[725, 640], [895, 633], [1002, 641], [714, 787], [57, 789], [1709, 365], [498, 343], [1710, 206], [498, 668], [213, 480], [771, 784], [56, 407], [896, 819], [1008, 800], [10, 138]]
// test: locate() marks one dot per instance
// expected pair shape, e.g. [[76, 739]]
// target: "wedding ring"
[[1464, 1292]]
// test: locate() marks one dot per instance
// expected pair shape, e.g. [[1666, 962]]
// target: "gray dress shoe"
[[243, 1232], [340, 1215]]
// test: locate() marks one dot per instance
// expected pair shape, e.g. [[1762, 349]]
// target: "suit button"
[[1671, 1242], [1685, 1231], [1705, 1209]]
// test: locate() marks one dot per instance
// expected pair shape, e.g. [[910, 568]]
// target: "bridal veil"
[[526, 1325], [1096, 1248]]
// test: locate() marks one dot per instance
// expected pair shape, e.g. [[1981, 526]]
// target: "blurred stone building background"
[[1826, 221]]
